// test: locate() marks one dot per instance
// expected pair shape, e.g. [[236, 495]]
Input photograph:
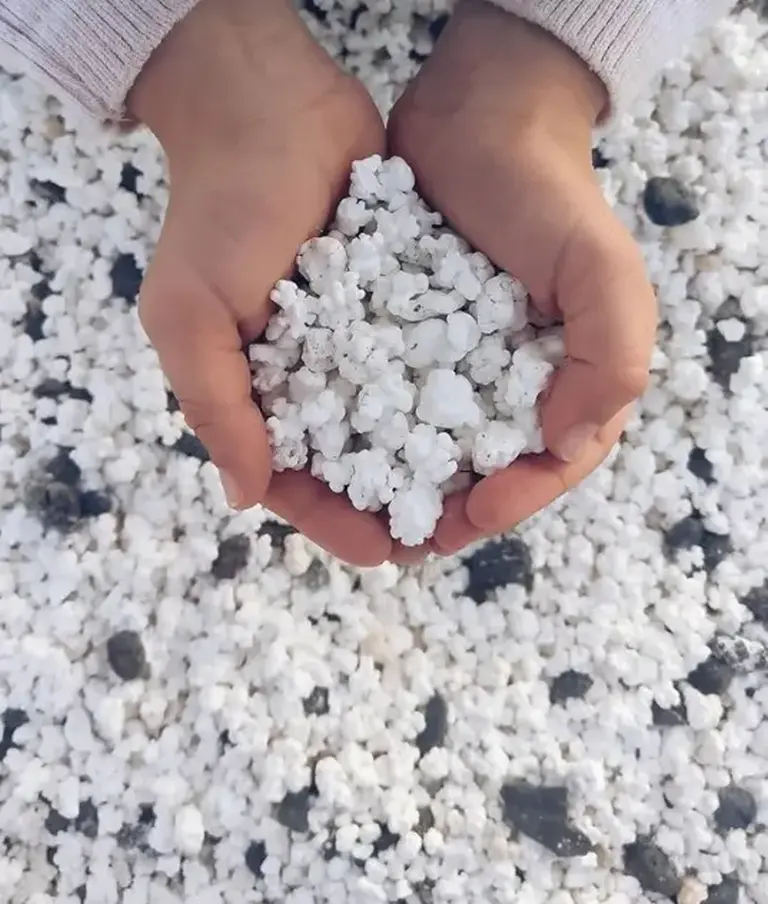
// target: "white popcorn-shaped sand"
[[372, 368]]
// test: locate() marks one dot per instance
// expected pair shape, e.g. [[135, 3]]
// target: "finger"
[[455, 530], [505, 499], [408, 555], [328, 519], [609, 311], [198, 343]]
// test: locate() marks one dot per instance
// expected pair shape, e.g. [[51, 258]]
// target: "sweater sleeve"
[[625, 42], [88, 51]]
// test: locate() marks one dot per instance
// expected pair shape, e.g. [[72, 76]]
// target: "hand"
[[498, 128], [260, 128]]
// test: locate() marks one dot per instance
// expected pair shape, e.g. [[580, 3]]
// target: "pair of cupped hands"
[[260, 128]]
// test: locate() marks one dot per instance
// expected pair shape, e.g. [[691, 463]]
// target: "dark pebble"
[[50, 858], [685, 534], [712, 677], [255, 855], [232, 557], [316, 704], [757, 603], [188, 444], [49, 191], [276, 532], [700, 466], [49, 421], [652, 868], [87, 820], [129, 178], [435, 724], [316, 576], [716, 548], [570, 685], [93, 504], [599, 160], [669, 718], [426, 820], [32, 322], [725, 357], [62, 469], [314, 10], [293, 810], [55, 389], [57, 504], [55, 823], [541, 813], [387, 839], [497, 564], [727, 892], [41, 290], [126, 655], [81, 891], [126, 276], [171, 402], [668, 202], [737, 809], [12, 719], [437, 25]]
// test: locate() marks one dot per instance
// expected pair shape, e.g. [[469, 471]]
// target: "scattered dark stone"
[[293, 810], [716, 548], [62, 469], [711, 677], [426, 820], [129, 178], [727, 892], [435, 724], [81, 891], [126, 276], [737, 809], [668, 202], [255, 855], [32, 322], [355, 15], [57, 505], [87, 820], [12, 719], [49, 421], [316, 576], [690, 532], [700, 466], [126, 655], [541, 813], [570, 685], [232, 557], [669, 718], [437, 25], [652, 868], [599, 160], [188, 444], [55, 389], [55, 823], [147, 815], [41, 290], [314, 10], [316, 704], [276, 532], [49, 191], [757, 603], [497, 564], [171, 402], [93, 504], [50, 855], [725, 357], [387, 839]]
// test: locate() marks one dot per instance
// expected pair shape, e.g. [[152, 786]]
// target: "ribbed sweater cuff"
[[625, 42], [91, 51]]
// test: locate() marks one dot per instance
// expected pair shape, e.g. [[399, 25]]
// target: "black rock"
[[314, 10], [737, 808], [55, 389], [62, 469], [87, 820], [57, 505], [316, 704], [293, 810], [599, 160], [55, 822], [129, 179], [712, 677], [570, 685], [497, 564], [12, 719], [276, 532], [171, 402], [757, 603], [387, 839], [426, 820], [437, 25], [126, 276], [685, 534], [50, 855], [81, 891], [255, 855], [126, 655], [669, 718], [700, 466], [93, 504], [232, 557], [49, 191], [32, 322], [316, 576], [668, 202], [725, 356], [652, 868], [188, 444], [541, 813], [716, 548], [727, 892], [435, 724]]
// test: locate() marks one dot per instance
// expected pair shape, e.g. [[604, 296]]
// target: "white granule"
[[406, 358]]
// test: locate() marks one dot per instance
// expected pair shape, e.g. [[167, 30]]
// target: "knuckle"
[[630, 382]]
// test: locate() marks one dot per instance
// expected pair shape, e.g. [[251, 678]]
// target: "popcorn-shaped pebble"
[[414, 512], [430, 454], [502, 305], [373, 480], [496, 446], [448, 400]]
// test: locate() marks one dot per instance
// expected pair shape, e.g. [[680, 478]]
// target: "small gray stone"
[[668, 202], [727, 892], [570, 685], [541, 813], [737, 808], [435, 724], [652, 868], [126, 655], [293, 810]]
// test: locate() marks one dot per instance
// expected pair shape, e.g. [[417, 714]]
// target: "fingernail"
[[231, 491], [575, 442]]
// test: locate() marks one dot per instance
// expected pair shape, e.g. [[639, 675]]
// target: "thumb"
[[608, 308], [197, 340]]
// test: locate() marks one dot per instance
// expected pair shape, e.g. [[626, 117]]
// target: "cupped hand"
[[498, 129], [260, 128]]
